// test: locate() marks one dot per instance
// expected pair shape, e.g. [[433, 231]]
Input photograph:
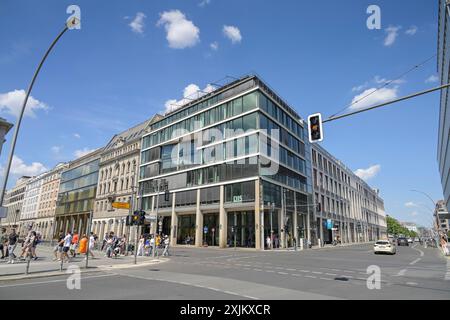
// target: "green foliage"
[[394, 227]]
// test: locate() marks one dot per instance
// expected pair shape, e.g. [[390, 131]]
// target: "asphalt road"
[[208, 273]]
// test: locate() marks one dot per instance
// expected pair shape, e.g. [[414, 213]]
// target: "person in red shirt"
[[74, 246]]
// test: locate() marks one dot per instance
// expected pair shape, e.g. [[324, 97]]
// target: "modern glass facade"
[[443, 152], [218, 155], [76, 196]]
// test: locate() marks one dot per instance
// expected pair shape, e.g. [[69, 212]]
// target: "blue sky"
[[131, 57]]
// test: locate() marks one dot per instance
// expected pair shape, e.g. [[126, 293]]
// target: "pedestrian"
[[36, 241], [141, 245], [110, 243], [74, 245], [67, 241], [3, 241], [277, 242], [28, 245], [92, 244], [12, 242], [26, 241], [166, 246], [152, 246], [105, 239], [268, 242], [58, 249], [82, 247], [123, 245]]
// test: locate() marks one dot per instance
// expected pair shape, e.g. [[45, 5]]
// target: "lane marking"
[[291, 269], [313, 277], [421, 252], [415, 261], [257, 269], [317, 272], [412, 283], [282, 273], [402, 272], [326, 279], [331, 274]]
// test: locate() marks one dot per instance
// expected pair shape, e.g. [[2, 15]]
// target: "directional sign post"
[[121, 205]]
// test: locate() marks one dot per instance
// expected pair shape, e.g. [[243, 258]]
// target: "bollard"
[[28, 264], [301, 243], [61, 265]]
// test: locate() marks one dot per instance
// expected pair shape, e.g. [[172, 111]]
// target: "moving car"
[[402, 242], [384, 246], [410, 240]]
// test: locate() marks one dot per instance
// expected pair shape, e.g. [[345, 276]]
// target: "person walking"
[[82, 245], [92, 245], [74, 245], [66, 242], [141, 245], [166, 246], [26, 241], [58, 249], [3, 241], [268, 242], [152, 245], [110, 244], [12, 242], [105, 239]]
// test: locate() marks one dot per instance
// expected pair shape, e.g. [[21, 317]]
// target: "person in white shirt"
[[67, 241], [91, 244]]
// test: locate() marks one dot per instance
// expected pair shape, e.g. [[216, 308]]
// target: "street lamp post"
[[71, 23]]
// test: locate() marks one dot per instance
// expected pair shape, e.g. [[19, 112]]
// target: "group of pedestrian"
[[113, 245], [274, 243], [8, 243], [148, 242], [71, 243]]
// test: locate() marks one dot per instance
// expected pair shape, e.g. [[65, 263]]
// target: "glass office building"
[[443, 152], [76, 194], [237, 165]]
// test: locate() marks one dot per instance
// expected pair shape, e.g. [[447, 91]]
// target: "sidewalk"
[[46, 266]]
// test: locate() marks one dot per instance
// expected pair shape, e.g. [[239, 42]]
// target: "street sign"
[[151, 218], [329, 224], [160, 223], [205, 229], [121, 205]]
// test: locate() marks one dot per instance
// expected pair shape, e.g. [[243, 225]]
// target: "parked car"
[[410, 240], [384, 246], [402, 242]]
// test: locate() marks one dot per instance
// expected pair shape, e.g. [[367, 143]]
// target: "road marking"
[[291, 269], [326, 279], [447, 274], [421, 252], [331, 274], [317, 272], [279, 268], [282, 273], [270, 271], [415, 261], [297, 275], [402, 272], [412, 283], [313, 277], [303, 270], [54, 281], [257, 269]]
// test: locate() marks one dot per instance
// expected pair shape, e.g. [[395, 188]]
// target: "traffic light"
[[141, 217], [315, 129], [135, 218]]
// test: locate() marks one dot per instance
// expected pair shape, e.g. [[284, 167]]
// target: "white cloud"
[[380, 80], [77, 135], [204, 3], [360, 87], [11, 102], [137, 25], [181, 33], [56, 149], [411, 31], [432, 78], [214, 46], [380, 96], [82, 152], [20, 168], [410, 204], [368, 173], [392, 33], [232, 33], [191, 92]]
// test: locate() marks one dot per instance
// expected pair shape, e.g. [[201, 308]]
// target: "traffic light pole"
[[387, 103]]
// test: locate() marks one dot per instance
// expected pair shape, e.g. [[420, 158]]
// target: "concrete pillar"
[[295, 222], [259, 227], [173, 222], [199, 222], [321, 232], [308, 230], [223, 223]]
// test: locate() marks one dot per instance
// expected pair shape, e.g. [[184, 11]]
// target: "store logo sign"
[[237, 198]]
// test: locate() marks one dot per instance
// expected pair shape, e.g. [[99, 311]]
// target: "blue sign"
[[205, 229], [329, 224]]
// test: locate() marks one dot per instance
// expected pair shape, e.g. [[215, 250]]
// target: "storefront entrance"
[[241, 229], [186, 229], [211, 229]]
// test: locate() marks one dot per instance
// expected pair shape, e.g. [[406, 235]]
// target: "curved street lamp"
[[72, 23]]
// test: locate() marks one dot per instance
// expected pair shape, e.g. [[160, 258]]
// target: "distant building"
[[442, 216], [410, 226], [77, 191], [13, 201]]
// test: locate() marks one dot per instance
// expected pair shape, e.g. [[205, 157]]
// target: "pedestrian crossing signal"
[[315, 128]]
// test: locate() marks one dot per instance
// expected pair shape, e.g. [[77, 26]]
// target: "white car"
[[410, 240], [384, 246]]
